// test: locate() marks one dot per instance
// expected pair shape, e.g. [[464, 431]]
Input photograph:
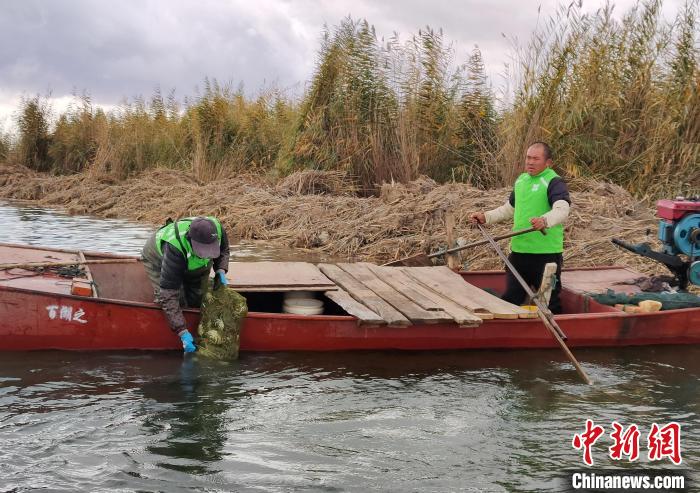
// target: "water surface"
[[351, 421], [33, 225]]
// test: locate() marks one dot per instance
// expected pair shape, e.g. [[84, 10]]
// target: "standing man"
[[540, 199], [178, 258]]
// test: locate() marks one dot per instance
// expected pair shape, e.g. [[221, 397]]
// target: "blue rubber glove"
[[221, 276], [187, 341]]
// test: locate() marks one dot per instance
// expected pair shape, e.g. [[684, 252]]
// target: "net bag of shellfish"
[[222, 314]]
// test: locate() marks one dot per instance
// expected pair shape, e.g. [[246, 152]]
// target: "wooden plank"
[[427, 298], [500, 308], [282, 289], [364, 295], [364, 315], [272, 275], [450, 288], [454, 287], [88, 274], [446, 303], [405, 285], [23, 254], [494, 304], [408, 308], [546, 286], [600, 280], [452, 258], [460, 314]]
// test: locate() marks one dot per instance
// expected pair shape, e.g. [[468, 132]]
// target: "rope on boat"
[[66, 271]]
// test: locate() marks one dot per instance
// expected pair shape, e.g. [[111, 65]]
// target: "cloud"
[[126, 48], [121, 49]]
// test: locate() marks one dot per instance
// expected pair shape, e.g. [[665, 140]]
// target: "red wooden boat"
[[38, 311]]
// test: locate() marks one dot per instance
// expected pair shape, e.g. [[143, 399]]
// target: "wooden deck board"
[[448, 284], [29, 279], [600, 280], [408, 308], [28, 254], [364, 295], [353, 307], [282, 288], [460, 315], [405, 285], [453, 286], [277, 276]]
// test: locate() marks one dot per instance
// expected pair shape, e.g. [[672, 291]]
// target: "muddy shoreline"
[[315, 211]]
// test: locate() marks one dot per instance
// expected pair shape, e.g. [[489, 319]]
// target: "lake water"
[[351, 421]]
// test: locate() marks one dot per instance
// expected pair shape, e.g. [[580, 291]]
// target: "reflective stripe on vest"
[[167, 234], [531, 200]]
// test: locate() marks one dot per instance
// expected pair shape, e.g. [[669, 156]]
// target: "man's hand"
[[187, 341], [477, 218], [220, 279], [539, 223]]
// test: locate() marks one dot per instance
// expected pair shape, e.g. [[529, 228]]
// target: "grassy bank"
[[618, 100]]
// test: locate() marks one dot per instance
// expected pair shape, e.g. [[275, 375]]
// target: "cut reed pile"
[[314, 182], [403, 220]]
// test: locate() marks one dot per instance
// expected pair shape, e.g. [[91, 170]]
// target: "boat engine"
[[679, 233]]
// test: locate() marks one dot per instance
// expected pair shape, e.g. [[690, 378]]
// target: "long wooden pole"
[[481, 242], [542, 311], [423, 259], [67, 263], [452, 259]]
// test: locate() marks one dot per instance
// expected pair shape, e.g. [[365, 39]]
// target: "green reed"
[[617, 100]]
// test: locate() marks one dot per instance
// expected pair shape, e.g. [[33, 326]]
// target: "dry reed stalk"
[[406, 218], [310, 182], [618, 100]]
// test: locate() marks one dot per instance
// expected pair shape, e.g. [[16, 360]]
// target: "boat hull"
[[33, 320]]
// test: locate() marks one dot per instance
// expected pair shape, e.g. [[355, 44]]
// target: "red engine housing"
[[673, 210]]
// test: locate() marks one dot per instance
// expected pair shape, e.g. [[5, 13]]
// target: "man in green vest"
[[178, 258], [540, 199]]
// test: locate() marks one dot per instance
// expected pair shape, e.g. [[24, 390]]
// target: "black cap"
[[205, 241]]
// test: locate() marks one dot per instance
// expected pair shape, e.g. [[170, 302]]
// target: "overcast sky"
[[119, 49]]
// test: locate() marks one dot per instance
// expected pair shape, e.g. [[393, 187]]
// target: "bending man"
[[540, 199], [178, 258]]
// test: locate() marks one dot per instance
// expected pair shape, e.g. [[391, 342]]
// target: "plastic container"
[[298, 294], [81, 287], [302, 306], [650, 305]]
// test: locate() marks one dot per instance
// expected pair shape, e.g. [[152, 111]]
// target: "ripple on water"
[[442, 421]]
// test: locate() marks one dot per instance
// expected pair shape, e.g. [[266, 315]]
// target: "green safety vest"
[[531, 201], [167, 234]]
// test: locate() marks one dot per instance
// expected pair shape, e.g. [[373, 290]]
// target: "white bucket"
[[303, 306], [289, 295]]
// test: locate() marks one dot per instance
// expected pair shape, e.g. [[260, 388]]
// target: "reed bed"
[[405, 219], [618, 100], [314, 182]]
